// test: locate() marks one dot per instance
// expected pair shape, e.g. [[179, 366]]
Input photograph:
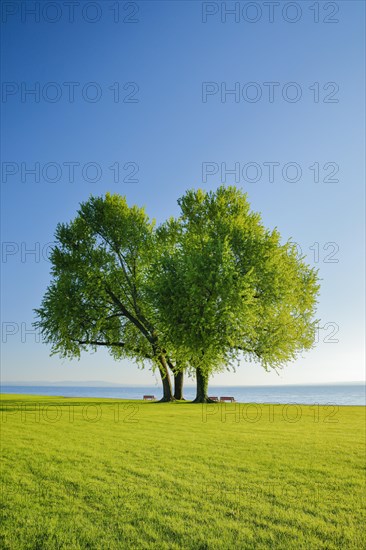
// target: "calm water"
[[354, 394]]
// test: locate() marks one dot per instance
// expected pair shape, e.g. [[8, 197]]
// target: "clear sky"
[[147, 90]]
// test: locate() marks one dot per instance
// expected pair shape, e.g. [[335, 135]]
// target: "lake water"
[[350, 394]]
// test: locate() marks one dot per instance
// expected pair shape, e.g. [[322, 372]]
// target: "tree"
[[229, 288], [98, 295], [197, 293]]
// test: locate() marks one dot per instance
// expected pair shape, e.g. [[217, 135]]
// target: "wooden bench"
[[214, 398], [149, 397], [225, 398]]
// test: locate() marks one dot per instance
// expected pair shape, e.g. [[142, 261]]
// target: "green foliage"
[[97, 296], [202, 289], [229, 287]]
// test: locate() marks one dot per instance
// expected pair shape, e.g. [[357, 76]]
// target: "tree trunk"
[[178, 385], [165, 377], [202, 388]]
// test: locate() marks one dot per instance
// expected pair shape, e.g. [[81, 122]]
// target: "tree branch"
[[110, 344], [96, 343], [129, 316]]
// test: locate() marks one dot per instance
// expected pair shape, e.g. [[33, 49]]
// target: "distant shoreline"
[[114, 385], [332, 395]]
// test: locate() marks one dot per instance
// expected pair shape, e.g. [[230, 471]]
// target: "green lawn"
[[98, 473]]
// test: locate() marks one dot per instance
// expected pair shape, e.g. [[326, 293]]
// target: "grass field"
[[108, 474]]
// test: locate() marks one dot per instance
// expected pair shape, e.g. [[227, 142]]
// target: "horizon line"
[[116, 384]]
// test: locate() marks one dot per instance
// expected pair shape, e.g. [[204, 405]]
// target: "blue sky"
[[166, 132]]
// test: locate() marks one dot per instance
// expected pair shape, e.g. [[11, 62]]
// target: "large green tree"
[[197, 293], [98, 295], [230, 288]]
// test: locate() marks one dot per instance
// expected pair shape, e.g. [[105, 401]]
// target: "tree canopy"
[[98, 295], [198, 292], [230, 288]]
